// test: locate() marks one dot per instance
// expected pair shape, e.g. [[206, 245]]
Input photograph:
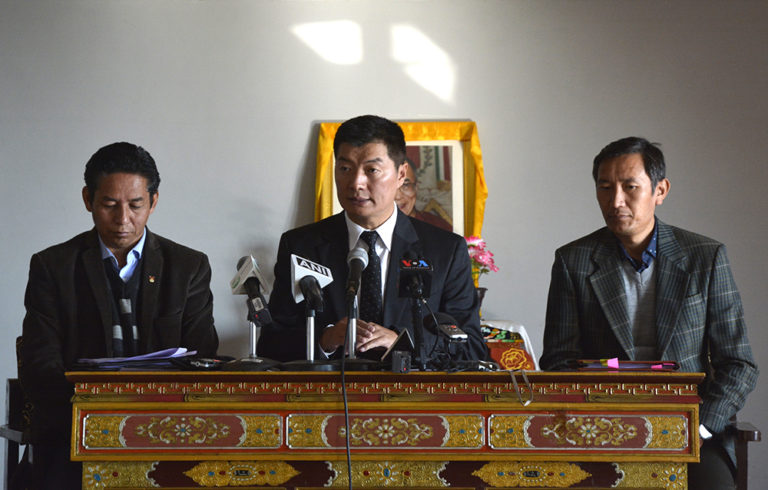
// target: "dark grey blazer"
[[69, 314], [699, 317], [326, 242]]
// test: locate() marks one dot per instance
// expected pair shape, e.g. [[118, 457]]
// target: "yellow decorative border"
[[391, 474], [531, 474], [672, 476], [475, 189]]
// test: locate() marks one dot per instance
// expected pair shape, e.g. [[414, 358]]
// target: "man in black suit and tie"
[[116, 290], [370, 152]]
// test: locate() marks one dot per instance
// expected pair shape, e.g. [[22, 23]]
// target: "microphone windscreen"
[[243, 260], [358, 254]]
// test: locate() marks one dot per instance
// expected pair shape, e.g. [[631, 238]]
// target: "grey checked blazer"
[[699, 317]]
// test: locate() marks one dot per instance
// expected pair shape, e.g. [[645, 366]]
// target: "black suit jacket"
[[326, 242], [69, 316]]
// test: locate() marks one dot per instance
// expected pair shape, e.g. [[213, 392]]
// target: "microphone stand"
[[351, 325], [418, 328], [310, 363], [252, 362], [352, 362]]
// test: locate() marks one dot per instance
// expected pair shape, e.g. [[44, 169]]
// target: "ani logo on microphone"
[[301, 267]]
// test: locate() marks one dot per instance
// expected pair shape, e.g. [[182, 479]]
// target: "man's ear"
[[87, 199], [662, 190], [402, 171], [154, 198]]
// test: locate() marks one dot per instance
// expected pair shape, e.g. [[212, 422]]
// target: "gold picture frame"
[[462, 133]]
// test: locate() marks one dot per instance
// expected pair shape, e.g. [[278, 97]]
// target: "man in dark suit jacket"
[[72, 299], [640, 289], [369, 154]]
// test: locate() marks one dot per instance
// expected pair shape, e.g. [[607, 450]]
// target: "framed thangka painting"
[[445, 183]]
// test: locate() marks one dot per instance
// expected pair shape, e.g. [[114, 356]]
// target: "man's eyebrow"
[[112, 199]]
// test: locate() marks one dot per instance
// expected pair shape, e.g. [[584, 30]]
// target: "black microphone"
[[446, 326], [415, 279], [257, 305], [312, 292], [357, 260]]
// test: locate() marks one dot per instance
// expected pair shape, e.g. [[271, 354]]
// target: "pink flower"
[[474, 241], [481, 257]]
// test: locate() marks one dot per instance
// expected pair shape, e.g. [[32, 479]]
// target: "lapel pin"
[[152, 279]]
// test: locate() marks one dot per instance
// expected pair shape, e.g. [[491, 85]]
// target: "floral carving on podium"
[[182, 430], [387, 431], [591, 431]]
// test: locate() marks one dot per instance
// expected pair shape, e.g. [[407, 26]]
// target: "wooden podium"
[[286, 430]]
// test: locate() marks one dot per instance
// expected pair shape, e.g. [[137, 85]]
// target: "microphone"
[[304, 270], [415, 280], [311, 290], [246, 268], [248, 280], [446, 326], [357, 260]]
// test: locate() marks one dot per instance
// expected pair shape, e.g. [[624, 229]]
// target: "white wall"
[[226, 98]]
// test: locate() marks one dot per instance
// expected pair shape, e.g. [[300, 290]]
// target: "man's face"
[[120, 208], [626, 198], [366, 183], [406, 193]]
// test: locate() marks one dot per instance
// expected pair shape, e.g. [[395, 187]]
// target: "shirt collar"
[[135, 252], [385, 230], [648, 254]]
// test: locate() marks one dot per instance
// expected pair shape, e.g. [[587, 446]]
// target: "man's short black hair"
[[121, 158], [653, 158], [362, 130]]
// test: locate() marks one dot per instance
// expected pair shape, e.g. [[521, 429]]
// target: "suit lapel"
[[609, 290], [97, 280], [670, 292], [403, 239], [149, 288]]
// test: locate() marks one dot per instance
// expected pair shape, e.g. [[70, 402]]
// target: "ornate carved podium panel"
[[287, 430]]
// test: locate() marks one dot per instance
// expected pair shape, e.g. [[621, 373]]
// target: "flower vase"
[[479, 295]]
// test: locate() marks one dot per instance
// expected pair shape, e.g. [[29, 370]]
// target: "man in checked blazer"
[[640, 289]]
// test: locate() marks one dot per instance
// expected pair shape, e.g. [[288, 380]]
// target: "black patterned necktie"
[[370, 289]]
